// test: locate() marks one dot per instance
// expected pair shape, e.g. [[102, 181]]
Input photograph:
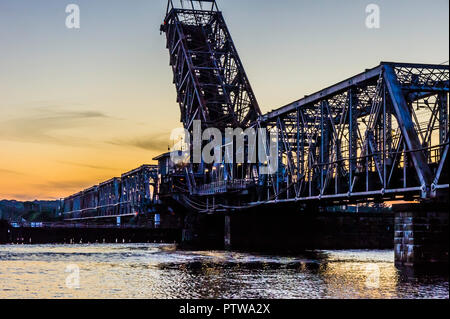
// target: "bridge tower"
[[210, 80]]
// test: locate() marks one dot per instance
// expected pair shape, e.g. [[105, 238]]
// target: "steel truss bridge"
[[125, 196], [382, 135]]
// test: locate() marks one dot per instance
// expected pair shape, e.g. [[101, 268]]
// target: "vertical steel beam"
[[383, 146], [353, 135], [322, 144], [299, 162], [443, 118], [404, 119]]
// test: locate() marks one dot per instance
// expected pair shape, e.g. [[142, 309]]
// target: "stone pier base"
[[421, 235]]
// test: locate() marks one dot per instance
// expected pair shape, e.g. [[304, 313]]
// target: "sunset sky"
[[78, 107]]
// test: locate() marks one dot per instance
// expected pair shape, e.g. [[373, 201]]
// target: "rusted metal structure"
[[211, 83], [381, 135], [138, 190], [132, 194]]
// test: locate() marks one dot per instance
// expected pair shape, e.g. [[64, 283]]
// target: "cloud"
[[96, 167], [7, 171], [156, 142], [64, 186], [43, 124], [53, 189]]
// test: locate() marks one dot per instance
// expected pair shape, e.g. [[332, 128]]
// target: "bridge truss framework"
[[382, 135]]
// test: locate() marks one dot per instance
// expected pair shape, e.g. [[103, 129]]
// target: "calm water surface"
[[163, 271]]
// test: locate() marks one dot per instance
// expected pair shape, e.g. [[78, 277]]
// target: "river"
[[162, 271]]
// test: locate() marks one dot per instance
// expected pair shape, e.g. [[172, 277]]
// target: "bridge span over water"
[[381, 135]]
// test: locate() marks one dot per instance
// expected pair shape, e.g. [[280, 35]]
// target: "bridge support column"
[[4, 232], [227, 232], [421, 235]]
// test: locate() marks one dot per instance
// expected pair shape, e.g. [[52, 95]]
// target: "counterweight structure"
[[208, 74]]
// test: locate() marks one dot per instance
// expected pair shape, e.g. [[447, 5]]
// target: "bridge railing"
[[221, 187]]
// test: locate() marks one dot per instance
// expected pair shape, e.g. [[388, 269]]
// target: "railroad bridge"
[[379, 136]]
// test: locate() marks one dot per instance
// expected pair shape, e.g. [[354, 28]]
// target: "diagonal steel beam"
[[406, 124]]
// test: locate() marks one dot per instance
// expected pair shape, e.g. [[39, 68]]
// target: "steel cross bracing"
[[381, 134], [130, 195], [211, 83]]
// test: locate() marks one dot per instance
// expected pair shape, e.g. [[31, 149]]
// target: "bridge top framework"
[[427, 77], [382, 135], [379, 134], [209, 76]]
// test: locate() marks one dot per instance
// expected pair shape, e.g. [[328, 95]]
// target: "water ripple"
[[163, 271]]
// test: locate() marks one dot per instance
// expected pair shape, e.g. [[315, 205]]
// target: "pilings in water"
[[421, 235]]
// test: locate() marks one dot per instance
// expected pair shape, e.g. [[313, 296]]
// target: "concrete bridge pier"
[[421, 235]]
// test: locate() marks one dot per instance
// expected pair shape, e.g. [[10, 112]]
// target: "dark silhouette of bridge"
[[382, 135]]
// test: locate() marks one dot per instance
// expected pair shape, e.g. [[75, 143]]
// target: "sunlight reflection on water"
[[162, 271]]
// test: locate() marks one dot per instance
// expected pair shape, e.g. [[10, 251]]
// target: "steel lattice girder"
[[117, 197], [363, 131], [210, 80], [136, 188]]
